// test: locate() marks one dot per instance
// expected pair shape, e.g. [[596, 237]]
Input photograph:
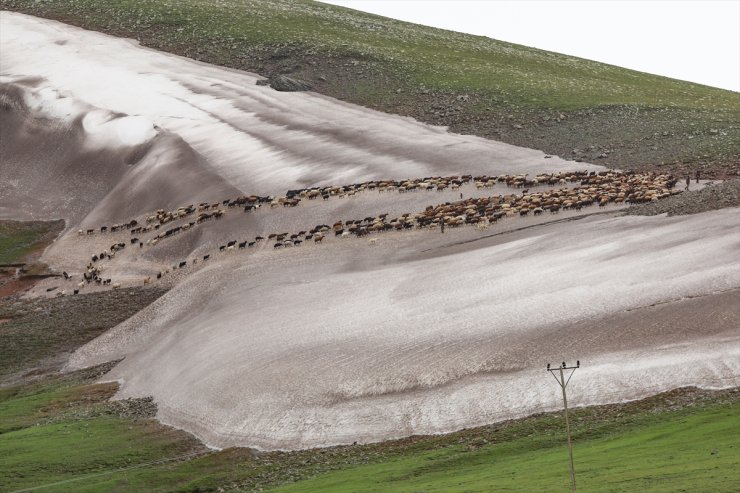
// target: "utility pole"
[[564, 383]]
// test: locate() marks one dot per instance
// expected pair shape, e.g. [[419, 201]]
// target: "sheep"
[[600, 188]]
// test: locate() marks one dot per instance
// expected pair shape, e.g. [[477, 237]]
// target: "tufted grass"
[[665, 453], [64, 430], [227, 31], [563, 105]]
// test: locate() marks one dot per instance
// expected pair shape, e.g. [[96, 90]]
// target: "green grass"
[[667, 455], [17, 238], [64, 430], [225, 30], [563, 105], [36, 334]]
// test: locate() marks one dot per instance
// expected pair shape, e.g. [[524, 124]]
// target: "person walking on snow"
[[688, 181]]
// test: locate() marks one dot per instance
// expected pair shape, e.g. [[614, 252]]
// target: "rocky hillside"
[[575, 108]]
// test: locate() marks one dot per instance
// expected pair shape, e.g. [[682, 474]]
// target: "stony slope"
[[152, 130], [252, 346], [567, 106]]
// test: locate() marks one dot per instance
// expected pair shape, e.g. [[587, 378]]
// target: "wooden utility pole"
[[563, 384]]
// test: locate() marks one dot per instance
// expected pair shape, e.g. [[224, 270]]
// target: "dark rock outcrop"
[[287, 84]]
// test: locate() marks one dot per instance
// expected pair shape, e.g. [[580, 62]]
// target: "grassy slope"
[[19, 238], [63, 428], [60, 429], [37, 334], [434, 57], [474, 84], [654, 455]]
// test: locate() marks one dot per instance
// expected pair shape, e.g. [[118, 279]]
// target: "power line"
[[563, 384], [722, 380]]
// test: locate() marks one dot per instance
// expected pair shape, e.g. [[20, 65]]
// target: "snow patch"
[[107, 130]]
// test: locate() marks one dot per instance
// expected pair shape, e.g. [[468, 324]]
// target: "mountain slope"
[[153, 130], [564, 105], [295, 342]]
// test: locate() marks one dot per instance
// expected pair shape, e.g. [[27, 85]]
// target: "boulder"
[[287, 84]]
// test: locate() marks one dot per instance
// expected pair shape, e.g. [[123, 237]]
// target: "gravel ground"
[[37, 335], [475, 93], [726, 194]]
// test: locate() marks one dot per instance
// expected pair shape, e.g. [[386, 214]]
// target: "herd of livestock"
[[566, 191]]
